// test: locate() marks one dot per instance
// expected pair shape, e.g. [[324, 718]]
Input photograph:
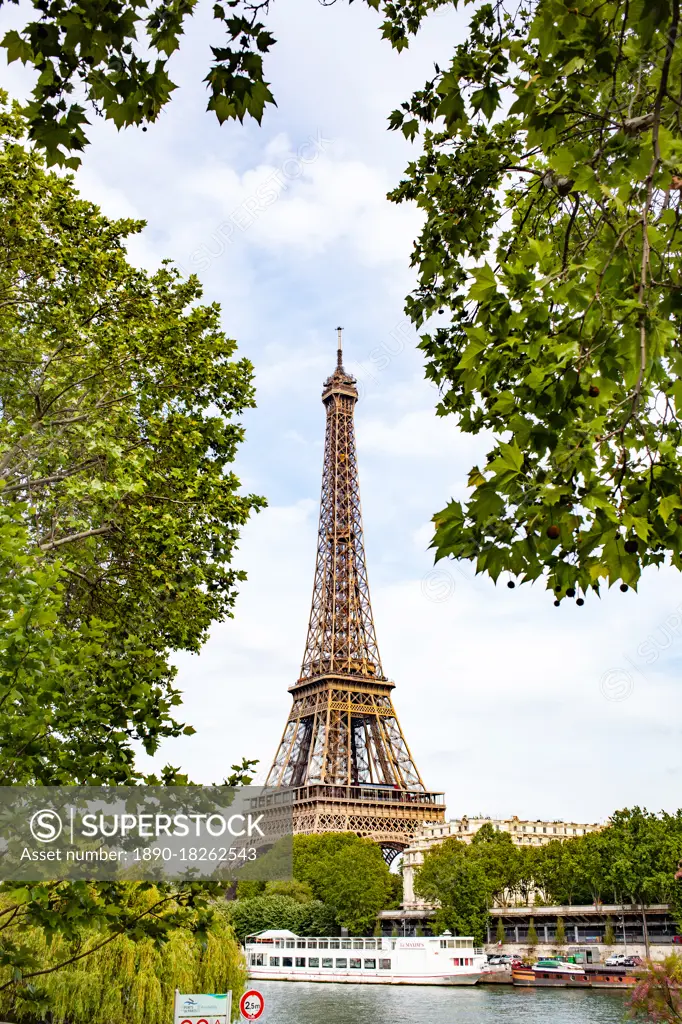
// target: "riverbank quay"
[[599, 951], [582, 925], [588, 925]]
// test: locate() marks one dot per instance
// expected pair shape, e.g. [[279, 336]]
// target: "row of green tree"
[[340, 881], [631, 861]]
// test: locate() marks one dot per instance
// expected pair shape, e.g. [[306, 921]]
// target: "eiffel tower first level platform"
[[343, 756]]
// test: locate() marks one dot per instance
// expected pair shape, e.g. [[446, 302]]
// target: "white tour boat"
[[429, 960]]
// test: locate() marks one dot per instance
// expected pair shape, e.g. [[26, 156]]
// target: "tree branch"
[[76, 536]]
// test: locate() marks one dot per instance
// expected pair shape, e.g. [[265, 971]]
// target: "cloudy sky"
[[510, 706]]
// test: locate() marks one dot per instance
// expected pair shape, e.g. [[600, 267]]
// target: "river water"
[[313, 1003]]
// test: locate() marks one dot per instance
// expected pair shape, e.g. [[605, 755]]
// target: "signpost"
[[251, 1005], [202, 1009]]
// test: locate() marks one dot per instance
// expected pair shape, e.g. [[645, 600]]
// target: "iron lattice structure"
[[343, 754]]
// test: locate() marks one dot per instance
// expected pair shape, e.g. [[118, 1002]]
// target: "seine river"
[[309, 1003]]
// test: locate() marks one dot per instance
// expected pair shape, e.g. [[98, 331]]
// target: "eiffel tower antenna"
[[343, 752], [339, 349]]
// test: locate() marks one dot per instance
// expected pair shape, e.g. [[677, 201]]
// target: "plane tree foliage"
[[340, 881], [120, 404], [347, 873], [112, 58], [551, 184], [550, 179], [631, 861]]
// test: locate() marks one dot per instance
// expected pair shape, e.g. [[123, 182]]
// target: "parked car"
[[677, 939], [493, 960], [632, 961], [616, 960]]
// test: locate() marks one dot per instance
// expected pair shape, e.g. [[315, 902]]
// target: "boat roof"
[[284, 933], [274, 933]]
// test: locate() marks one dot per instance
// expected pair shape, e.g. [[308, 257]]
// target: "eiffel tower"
[[343, 755]]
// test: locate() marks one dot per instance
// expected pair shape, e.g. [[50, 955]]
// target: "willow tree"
[[128, 982], [551, 183], [120, 404]]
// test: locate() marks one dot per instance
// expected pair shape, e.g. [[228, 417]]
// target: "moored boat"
[[552, 972], [280, 955], [600, 976], [555, 973]]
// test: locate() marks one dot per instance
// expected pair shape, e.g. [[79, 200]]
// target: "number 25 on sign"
[[251, 1005]]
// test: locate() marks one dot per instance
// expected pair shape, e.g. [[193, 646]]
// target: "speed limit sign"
[[251, 1005]]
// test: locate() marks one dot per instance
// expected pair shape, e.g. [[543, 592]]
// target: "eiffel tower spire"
[[341, 635], [343, 750]]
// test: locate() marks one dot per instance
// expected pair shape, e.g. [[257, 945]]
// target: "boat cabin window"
[[346, 944], [279, 943], [313, 961], [341, 962], [290, 943], [370, 965], [256, 959], [300, 943], [358, 944], [370, 944], [312, 943], [274, 961], [355, 963], [300, 961], [334, 944], [323, 944], [384, 965], [327, 961], [287, 961]]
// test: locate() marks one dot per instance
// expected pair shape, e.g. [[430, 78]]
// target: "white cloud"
[[306, 199]]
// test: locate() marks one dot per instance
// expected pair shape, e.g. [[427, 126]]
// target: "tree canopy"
[[253, 914], [120, 400], [551, 183], [340, 881], [127, 981], [466, 880], [347, 873], [119, 512], [631, 861], [114, 57]]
